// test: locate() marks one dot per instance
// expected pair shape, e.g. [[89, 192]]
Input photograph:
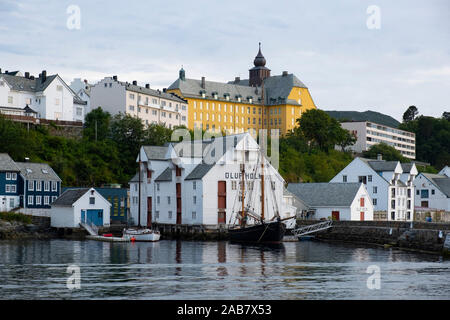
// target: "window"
[[131, 108], [91, 200], [170, 214], [30, 200], [8, 176], [393, 215], [30, 185], [46, 200], [157, 214], [417, 192], [131, 95], [369, 178], [168, 200], [374, 202], [194, 185], [10, 100], [79, 112], [59, 88], [13, 188], [57, 101], [157, 186], [344, 178], [54, 198], [8, 188], [194, 215], [375, 189], [11, 203], [158, 200], [194, 199], [233, 185], [54, 186], [362, 179], [38, 200], [273, 185], [38, 186], [432, 191], [13, 176], [424, 194], [393, 204]]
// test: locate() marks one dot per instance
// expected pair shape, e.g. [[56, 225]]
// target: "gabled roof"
[[382, 166], [199, 171], [7, 164], [26, 84], [37, 171], [166, 175], [155, 152], [325, 194], [442, 182], [69, 197]]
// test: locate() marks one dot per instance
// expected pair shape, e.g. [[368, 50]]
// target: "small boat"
[[305, 238], [141, 234]]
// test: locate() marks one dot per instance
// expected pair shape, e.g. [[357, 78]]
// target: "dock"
[[108, 239]]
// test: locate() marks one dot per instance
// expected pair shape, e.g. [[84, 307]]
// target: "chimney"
[[32, 77], [203, 83], [134, 83], [115, 78], [164, 89], [237, 79], [44, 75], [27, 75], [379, 156], [147, 85], [85, 81], [285, 73]]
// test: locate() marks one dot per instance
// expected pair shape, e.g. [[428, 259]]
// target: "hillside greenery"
[[371, 116]]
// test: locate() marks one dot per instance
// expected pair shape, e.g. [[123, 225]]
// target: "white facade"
[[431, 195], [199, 185], [49, 96], [69, 216], [369, 134], [151, 106], [82, 89], [391, 190]]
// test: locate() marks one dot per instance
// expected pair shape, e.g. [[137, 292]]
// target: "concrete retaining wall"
[[423, 236]]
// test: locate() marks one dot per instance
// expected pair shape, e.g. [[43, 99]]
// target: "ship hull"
[[265, 232]]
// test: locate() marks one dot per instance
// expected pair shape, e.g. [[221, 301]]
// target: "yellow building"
[[237, 106]]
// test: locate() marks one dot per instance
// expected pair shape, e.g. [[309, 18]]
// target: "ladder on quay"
[[312, 228], [91, 228]]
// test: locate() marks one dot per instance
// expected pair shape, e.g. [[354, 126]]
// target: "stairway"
[[91, 228], [312, 228]]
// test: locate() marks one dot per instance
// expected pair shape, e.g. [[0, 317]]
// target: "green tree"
[[388, 152], [410, 114], [96, 125]]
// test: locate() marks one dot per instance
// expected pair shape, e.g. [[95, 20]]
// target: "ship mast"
[[262, 153], [139, 206], [243, 214]]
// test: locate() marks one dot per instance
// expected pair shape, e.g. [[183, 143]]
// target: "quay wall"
[[423, 236]]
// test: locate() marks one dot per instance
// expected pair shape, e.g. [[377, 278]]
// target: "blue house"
[[9, 183]]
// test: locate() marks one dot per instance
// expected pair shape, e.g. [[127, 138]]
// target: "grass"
[[12, 216]]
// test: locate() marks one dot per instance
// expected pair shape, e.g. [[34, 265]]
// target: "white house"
[[80, 205], [83, 91], [339, 201], [48, 95], [445, 171], [390, 185], [149, 105], [180, 186], [432, 191]]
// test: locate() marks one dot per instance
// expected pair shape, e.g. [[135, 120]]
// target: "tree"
[[157, 135], [446, 115], [410, 114], [96, 125], [388, 152], [321, 130], [346, 139]]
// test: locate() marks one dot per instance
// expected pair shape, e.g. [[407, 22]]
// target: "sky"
[[348, 55]]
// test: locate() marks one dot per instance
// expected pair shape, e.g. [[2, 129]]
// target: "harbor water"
[[188, 270]]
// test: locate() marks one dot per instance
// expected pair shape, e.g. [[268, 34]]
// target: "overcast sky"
[[326, 44]]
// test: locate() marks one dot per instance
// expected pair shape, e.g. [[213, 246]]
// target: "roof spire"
[[259, 61]]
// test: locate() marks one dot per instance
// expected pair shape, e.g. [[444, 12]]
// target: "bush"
[[12, 216]]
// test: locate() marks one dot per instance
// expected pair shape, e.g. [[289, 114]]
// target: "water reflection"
[[215, 270]]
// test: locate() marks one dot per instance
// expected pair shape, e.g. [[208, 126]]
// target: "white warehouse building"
[[181, 187]]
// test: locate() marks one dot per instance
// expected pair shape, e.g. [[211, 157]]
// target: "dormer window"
[[203, 93], [215, 95], [227, 96], [250, 99]]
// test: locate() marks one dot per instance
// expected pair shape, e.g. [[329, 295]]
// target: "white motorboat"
[[141, 234]]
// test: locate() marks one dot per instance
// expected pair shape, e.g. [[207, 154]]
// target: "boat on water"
[[141, 233]]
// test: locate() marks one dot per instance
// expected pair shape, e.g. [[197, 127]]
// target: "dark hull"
[[266, 232]]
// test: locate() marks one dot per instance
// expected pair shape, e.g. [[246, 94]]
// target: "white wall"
[[111, 99], [62, 217], [65, 106], [437, 201]]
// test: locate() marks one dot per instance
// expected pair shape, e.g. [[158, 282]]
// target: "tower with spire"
[[259, 72]]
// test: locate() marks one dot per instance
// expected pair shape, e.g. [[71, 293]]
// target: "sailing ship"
[[261, 230], [139, 233]]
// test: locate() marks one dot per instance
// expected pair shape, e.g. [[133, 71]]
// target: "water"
[[216, 270]]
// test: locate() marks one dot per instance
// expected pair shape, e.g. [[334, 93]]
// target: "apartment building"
[[369, 134], [151, 106]]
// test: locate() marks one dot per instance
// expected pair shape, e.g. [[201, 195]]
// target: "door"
[[83, 216], [178, 192], [95, 217], [424, 204], [149, 211], [335, 215], [361, 216], [221, 201]]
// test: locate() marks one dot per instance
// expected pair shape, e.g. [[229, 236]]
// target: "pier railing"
[[312, 228]]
